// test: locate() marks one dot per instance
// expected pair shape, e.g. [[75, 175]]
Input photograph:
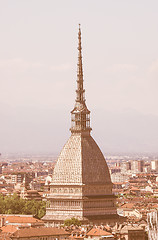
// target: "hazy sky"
[[38, 58]]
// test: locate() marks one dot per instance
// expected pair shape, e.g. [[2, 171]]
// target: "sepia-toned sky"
[[38, 62]]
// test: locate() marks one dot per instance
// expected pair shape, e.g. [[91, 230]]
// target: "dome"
[[81, 162]]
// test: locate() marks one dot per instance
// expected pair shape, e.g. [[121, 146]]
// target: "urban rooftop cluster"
[[135, 184]]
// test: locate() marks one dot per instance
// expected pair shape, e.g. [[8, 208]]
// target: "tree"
[[72, 221], [12, 204]]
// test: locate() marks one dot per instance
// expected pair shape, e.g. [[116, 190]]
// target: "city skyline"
[[38, 74]]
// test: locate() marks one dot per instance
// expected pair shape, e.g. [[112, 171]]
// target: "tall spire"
[[80, 115], [80, 91]]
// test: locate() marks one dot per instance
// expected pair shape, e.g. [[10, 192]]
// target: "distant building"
[[125, 166], [17, 178], [154, 165], [115, 170], [20, 178], [30, 195], [35, 185], [152, 220], [119, 177], [137, 166]]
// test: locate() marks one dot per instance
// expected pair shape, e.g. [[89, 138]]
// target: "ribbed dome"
[[81, 162]]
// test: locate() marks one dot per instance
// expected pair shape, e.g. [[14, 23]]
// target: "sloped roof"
[[81, 162], [127, 205], [9, 229], [5, 236], [98, 232], [20, 219], [44, 231]]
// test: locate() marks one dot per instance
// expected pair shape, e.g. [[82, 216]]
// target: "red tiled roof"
[[98, 232], [5, 236], [155, 206], [127, 205], [44, 231], [41, 193], [9, 229], [135, 189], [21, 219]]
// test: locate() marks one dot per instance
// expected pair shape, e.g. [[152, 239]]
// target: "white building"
[[154, 165], [152, 220], [119, 177]]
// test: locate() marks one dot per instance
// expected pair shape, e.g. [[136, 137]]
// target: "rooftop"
[[32, 232]]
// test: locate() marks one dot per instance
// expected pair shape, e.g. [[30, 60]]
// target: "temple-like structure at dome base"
[[81, 185]]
